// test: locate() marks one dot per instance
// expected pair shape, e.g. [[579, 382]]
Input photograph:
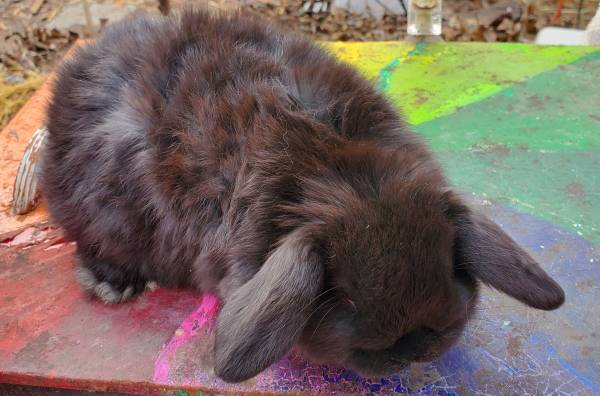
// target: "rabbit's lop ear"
[[489, 254], [264, 318]]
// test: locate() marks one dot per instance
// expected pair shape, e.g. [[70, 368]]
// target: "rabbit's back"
[[142, 157], [171, 140]]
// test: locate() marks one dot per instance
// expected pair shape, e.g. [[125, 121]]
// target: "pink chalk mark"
[[202, 318]]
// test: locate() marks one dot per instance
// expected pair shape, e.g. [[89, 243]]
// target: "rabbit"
[[220, 153]]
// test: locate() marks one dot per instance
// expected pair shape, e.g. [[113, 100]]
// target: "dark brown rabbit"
[[220, 154]]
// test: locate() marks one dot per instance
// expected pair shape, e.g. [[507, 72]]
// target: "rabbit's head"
[[383, 271]]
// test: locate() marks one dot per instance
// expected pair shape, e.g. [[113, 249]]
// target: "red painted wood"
[[52, 335]]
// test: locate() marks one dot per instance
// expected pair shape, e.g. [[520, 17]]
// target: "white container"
[[560, 36], [593, 30], [424, 17]]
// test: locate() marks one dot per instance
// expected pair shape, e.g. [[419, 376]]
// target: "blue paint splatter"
[[385, 75], [420, 49], [553, 354]]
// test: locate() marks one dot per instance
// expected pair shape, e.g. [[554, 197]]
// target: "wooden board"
[[516, 126]]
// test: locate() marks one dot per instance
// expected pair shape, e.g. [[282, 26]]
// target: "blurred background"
[[34, 34]]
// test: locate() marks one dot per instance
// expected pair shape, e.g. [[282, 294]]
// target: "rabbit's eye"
[[351, 303]]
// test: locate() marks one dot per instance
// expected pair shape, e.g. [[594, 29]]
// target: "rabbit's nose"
[[377, 342]]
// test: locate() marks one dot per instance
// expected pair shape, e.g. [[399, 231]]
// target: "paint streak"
[[451, 75], [294, 374], [385, 75], [420, 49], [369, 58], [201, 319]]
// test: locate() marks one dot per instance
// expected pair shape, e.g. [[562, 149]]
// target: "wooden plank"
[[13, 141], [524, 141]]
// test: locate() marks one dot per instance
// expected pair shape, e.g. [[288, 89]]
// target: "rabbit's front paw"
[[106, 292], [109, 282]]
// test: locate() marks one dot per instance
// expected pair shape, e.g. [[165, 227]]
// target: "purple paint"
[[201, 319]]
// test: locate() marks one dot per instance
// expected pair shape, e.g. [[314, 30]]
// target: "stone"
[[73, 14]]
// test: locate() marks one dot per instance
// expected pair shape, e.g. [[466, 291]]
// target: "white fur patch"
[[103, 290]]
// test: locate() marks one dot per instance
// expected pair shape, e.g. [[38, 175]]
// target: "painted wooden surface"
[[516, 126], [13, 141]]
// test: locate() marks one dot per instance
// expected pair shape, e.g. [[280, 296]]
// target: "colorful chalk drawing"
[[507, 347], [518, 127], [200, 320]]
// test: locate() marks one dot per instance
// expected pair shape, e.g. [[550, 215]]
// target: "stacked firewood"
[[505, 20]]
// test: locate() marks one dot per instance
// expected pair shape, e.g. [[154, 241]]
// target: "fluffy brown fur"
[[221, 154]]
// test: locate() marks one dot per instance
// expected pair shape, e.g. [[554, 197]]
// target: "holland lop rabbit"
[[218, 153]]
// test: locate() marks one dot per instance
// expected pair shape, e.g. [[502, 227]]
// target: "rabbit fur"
[[218, 153]]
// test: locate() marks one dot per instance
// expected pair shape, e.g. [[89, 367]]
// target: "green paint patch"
[[440, 78], [560, 187], [534, 145], [553, 111]]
